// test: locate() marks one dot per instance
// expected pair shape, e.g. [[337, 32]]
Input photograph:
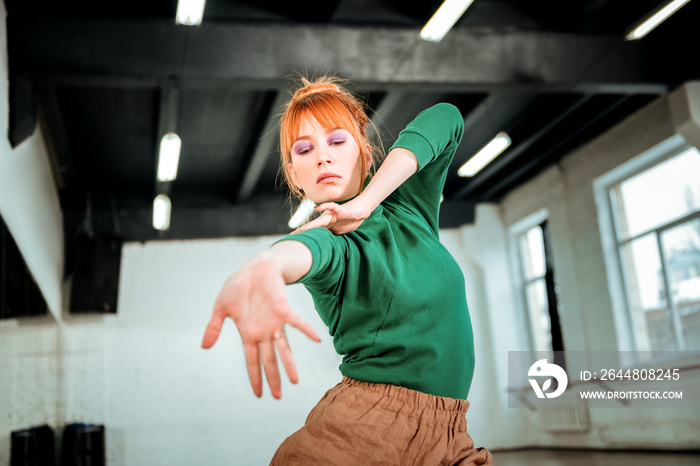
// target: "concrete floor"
[[594, 458]]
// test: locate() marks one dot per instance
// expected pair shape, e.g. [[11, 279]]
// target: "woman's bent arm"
[[255, 298], [398, 166]]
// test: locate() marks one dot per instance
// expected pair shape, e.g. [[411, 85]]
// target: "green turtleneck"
[[392, 296]]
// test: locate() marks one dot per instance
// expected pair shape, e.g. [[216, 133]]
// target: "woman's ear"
[[368, 156], [293, 175]]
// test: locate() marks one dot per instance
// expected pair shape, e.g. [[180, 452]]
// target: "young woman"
[[391, 295]]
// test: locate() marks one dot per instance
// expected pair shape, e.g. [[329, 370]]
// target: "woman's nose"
[[324, 158]]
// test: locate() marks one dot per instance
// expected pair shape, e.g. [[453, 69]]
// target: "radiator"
[[568, 413]]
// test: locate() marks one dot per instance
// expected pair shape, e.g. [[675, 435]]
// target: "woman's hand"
[[340, 218], [255, 298]]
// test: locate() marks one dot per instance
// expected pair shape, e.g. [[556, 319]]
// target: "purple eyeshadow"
[[338, 136], [301, 147]]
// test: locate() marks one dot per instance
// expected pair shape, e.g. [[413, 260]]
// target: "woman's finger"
[[298, 323], [269, 360], [252, 359], [326, 206], [213, 330], [285, 352], [321, 221]]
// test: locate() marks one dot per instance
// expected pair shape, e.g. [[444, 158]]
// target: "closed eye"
[[303, 148], [337, 138]]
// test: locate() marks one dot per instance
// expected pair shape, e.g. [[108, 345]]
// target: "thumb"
[[300, 324], [321, 221], [213, 331]]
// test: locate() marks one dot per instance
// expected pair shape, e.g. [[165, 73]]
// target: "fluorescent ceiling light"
[[161, 212], [302, 214], [169, 157], [189, 12], [482, 158], [655, 19], [444, 18]]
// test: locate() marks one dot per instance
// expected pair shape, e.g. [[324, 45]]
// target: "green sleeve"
[[435, 132], [328, 257], [433, 136]]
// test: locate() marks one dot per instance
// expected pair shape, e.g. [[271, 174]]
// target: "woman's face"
[[326, 162]]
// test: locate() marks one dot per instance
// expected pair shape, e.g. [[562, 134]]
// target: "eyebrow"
[[328, 131]]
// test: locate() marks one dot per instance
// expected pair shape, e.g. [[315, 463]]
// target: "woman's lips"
[[327, 178]]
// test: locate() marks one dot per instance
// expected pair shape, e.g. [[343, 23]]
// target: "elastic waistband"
[[443, 406]]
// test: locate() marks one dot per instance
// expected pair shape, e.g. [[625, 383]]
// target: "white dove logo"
[[541, 368]]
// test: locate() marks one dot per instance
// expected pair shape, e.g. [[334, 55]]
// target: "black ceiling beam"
[[391, 101], [257, 219], [22, 98], [280, 84], [313, 11], [265, 145], [136, 224], [404, 111], [491, 116], [508, 179], [268, 53], [556, 15], [454, 214], [591, 9], [168, 120], [397, 109], [497, 167], [384, 114], [22, 118], [89, 81], [418, 11], [57, 132], [82, 9]]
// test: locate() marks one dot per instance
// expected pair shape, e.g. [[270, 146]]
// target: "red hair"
[[333, 107]]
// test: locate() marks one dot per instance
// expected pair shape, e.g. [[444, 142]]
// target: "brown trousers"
[[359, 423]]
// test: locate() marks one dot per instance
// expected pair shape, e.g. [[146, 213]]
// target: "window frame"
[[515, 232], [612, 241]]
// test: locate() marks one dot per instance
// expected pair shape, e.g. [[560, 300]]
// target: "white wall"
[[162, 398], [566, 191], [29, 361], [28, 197], [166, 292], [143, 374], [482, 252], [488, 424], [165, 400]]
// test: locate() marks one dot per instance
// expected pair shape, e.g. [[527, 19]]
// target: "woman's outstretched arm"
[[255, 298]]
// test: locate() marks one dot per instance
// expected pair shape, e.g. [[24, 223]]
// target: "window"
[[654, 224], [536, 283]]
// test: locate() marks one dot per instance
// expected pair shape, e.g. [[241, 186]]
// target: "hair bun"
[[322, 85]]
